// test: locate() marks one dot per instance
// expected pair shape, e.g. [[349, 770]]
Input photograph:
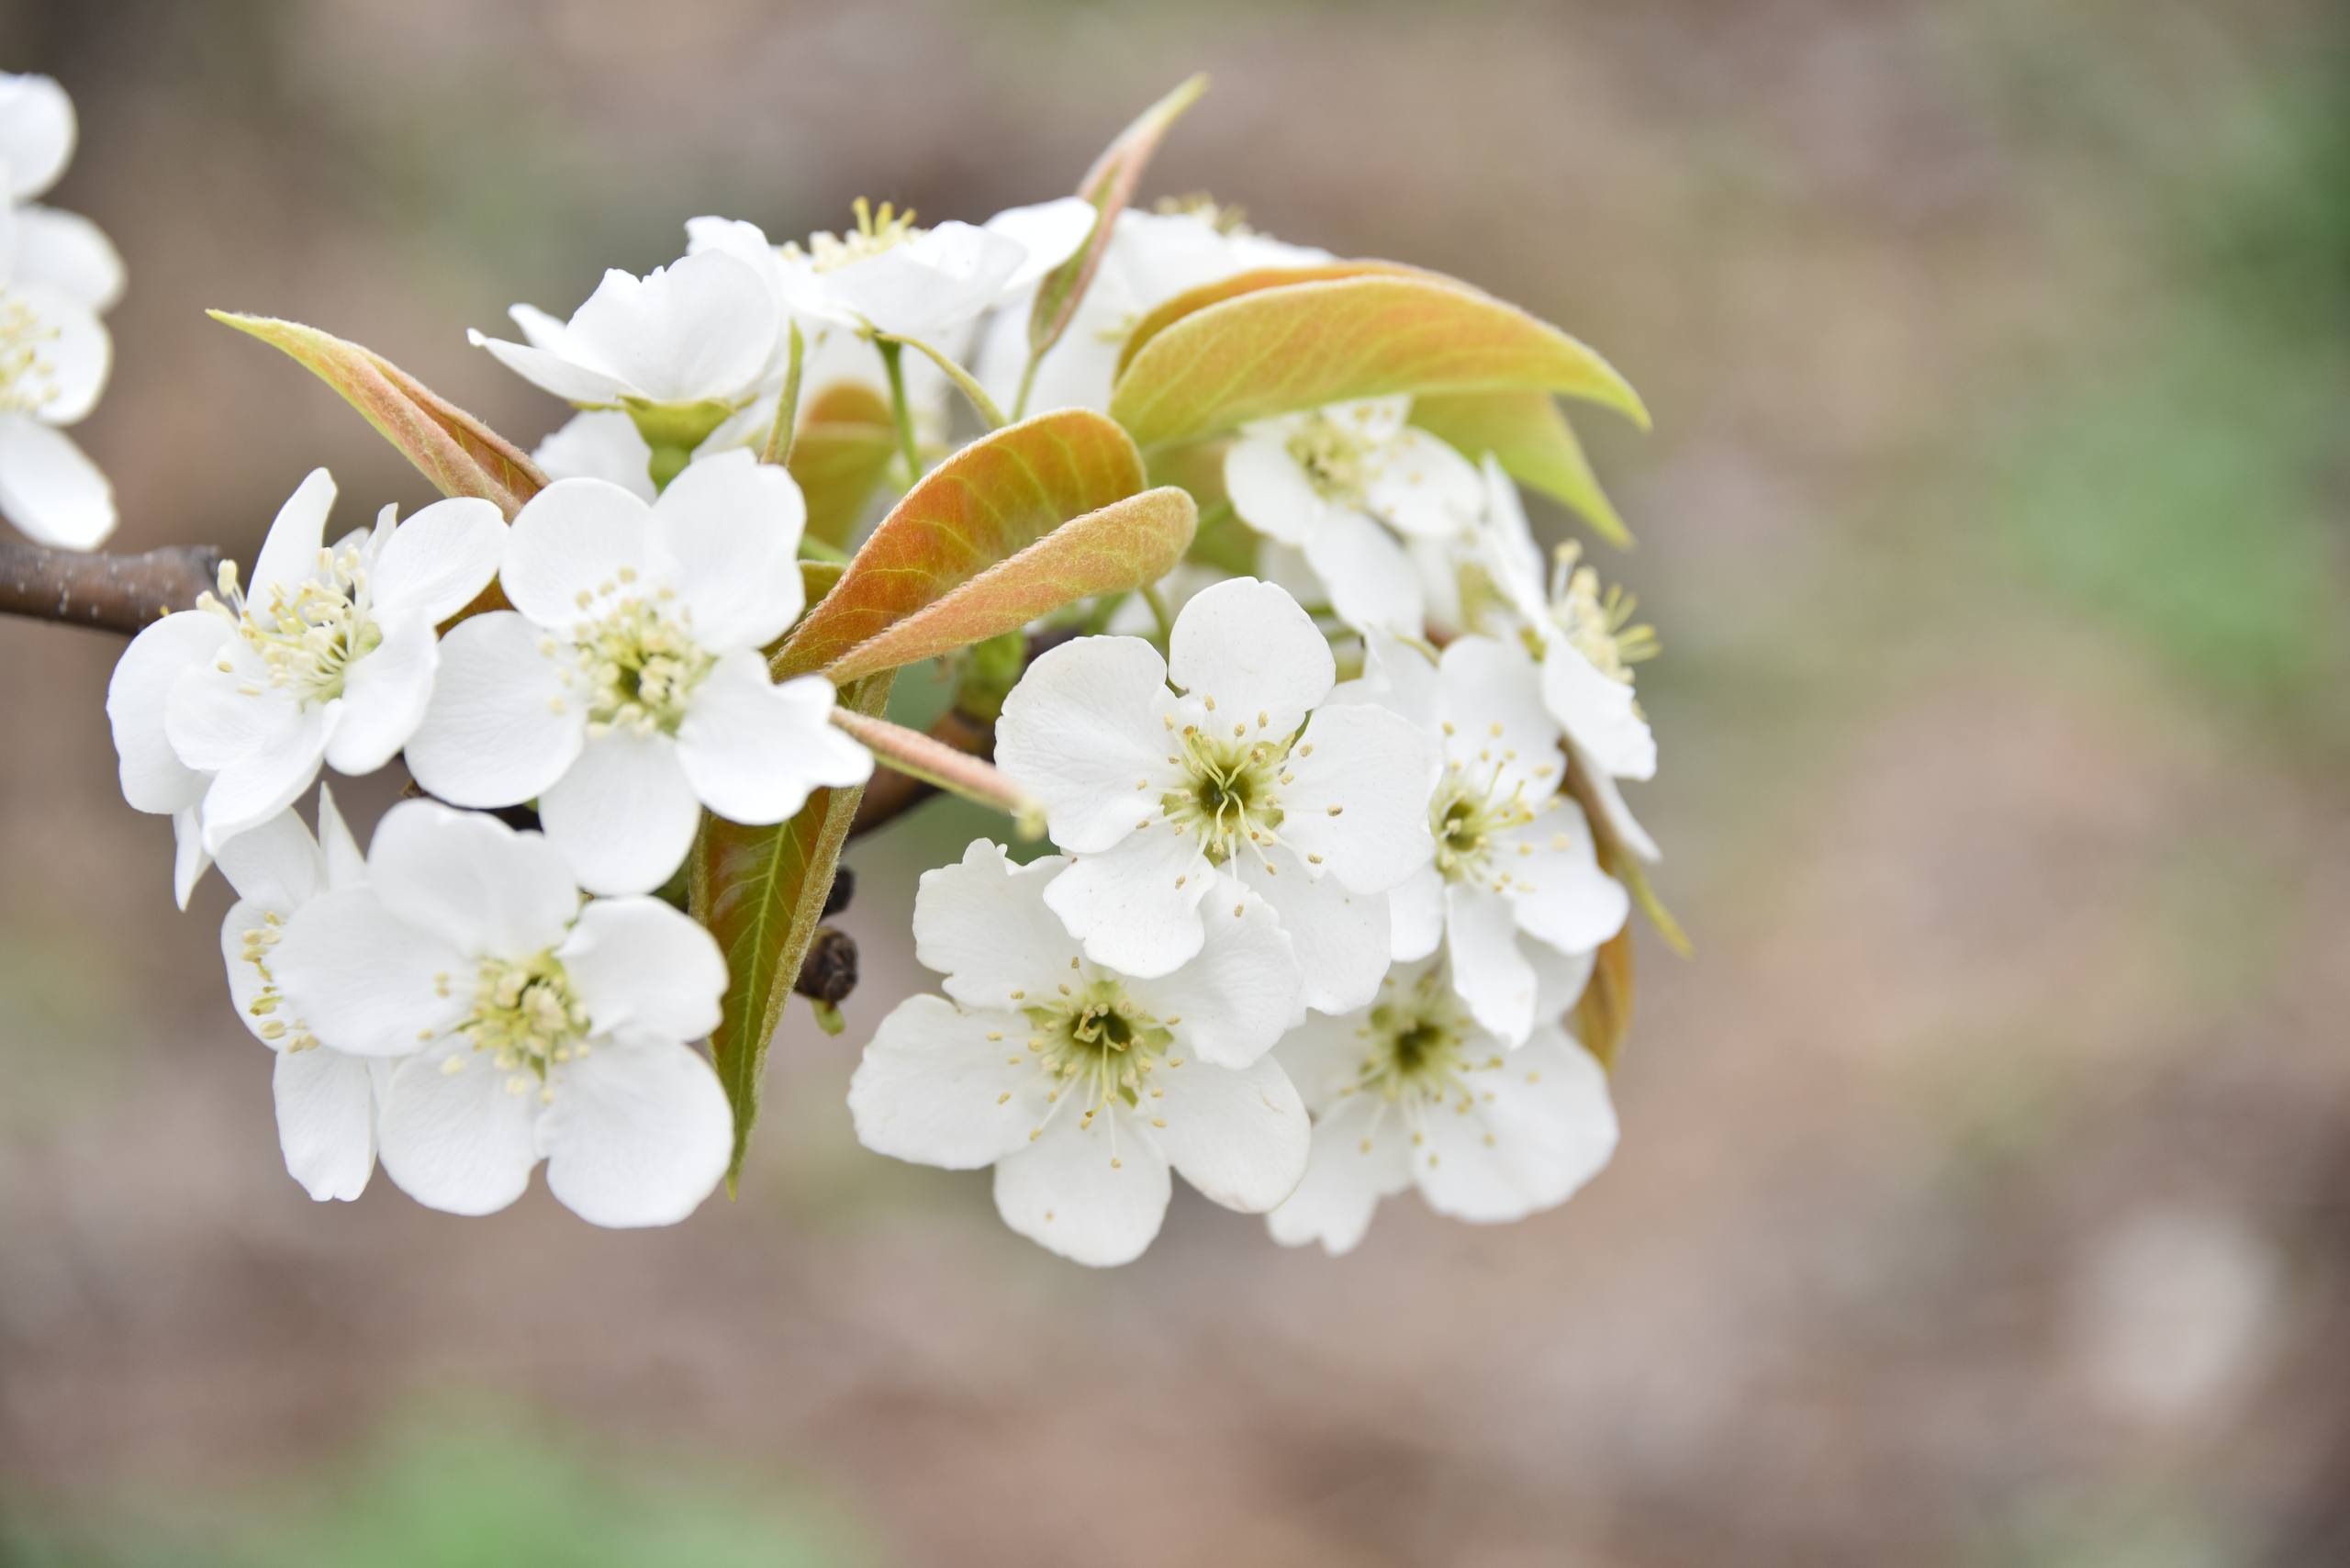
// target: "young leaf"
[[1529, 435], [761, 893], [1117, 548], [1298, 346], [1167, 313], [459, 455], [989, 500], [1109, 185], [843, 449], [1604, 1015]]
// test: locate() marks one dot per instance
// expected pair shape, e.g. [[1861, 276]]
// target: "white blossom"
[[58, 272], [519, 1024], [1166, 798], [223, 715], [1151, 258], [889, 276], [626, 689], [326, 1099], [1080, 1084], [1515, 882], [1340, 484], [600, 443], [1589, 646], [1411, 1092]]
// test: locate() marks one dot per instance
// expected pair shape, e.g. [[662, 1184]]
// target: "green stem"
[[1165, 617], [1027, 384], [892, 362], [965, 383], [815, 549], [786, 429]]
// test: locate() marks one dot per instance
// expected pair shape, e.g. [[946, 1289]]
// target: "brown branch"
[[123, 594]]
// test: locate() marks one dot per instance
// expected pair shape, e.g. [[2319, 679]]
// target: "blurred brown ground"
[[1982, 1193]]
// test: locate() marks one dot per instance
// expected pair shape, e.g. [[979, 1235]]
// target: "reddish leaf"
[[838, 457], [1604, 1016]]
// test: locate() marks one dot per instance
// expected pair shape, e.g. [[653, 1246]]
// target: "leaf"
[[843, 448], [1604, 1016], [459, 455], [1115, 549], [1168, 312], [1109, 185], [1529, 435], [1301, 345], [761, 893], [989, 500]]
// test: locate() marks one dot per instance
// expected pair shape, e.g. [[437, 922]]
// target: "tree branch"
[[123, 594]]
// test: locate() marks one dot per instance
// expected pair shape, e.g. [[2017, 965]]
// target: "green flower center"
[[1467, 817], [1417, 1044], [1099, 1044], [1230, 795], [1337, 460]]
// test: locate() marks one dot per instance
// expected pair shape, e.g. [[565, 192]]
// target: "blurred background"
[[1985, 1196]]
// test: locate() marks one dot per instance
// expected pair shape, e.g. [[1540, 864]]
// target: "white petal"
[[289, 555], [983, 922], [550, 372], [624, 814], [66, 251], [637, 1134], [733, 525], [438, 561], [1240, 1136], [1063, 1193], [189, 859], [384, 696], [1509, 548], [37, 132], [153, 778], [345, 866], [1084, 727], [500, 725], [930, 288], [1049, 232], [1555, 885], [1613, 812], [702, 327], [1559, 978], [643, 968], [52, 492], [472, 879], [326, 1121], [1134, 906], [364, 980], [1599, 712], [1488, 970], [1551, 1125], [1244, 988], [1421, 485], [574, 546], [1416, 915], [1501, 729], [933, 1086], [286, 748], [1359, 798], [462, 1141], [603, 444], [74, 355], [1270, 488], [1342, 939], [754, 751], [247, 980], [1249, 646], [1357, 1157], [276, 866], [1373, 585]]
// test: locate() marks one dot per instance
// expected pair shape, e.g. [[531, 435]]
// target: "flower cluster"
[[59, 274], [1329, 757]]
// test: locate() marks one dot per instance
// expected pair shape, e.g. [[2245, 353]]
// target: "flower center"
[[877, 229], [308, 636], [1098, 1046], [1227, 218], [1337, 460], [1230, 795], [1466, 816], [525, 1016], [1598, 624], [1416, 1044], [641, 665], [28, 376]]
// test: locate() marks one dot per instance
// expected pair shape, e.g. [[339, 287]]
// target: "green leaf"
[[1529, 435], [761, 893], [459, 455], [1168, 312], [1109, 185], [989, 500], [843, 449], [1301, 345], [1116, 549]]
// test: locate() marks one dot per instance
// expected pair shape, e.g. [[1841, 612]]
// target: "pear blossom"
[[223, 715], [679, 349], [326, 1099], [1167, 798], [626, 689], [889, 276], [517, 1023], [1151, 258], [600, 443], [1588, 645], [1340, 484], [58, 272], [1412, 1092], [1514, 883], [1083, 1085]]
